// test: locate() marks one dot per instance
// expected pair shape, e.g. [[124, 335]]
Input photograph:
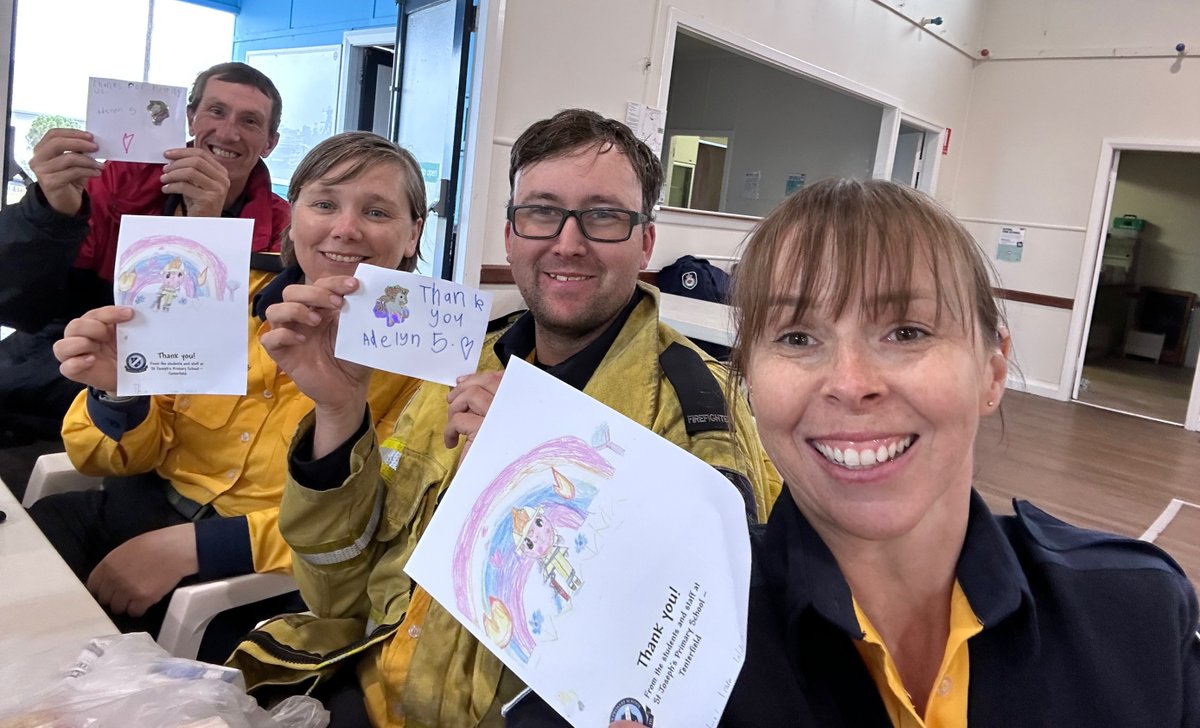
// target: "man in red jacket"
[[58, 245]]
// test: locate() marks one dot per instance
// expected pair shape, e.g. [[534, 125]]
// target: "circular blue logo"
[[631, 709], [135, 363]]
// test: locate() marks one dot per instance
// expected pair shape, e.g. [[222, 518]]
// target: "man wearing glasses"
[[579, 230]]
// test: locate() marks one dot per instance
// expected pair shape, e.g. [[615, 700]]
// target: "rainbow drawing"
[[142, 264], [488, 574]]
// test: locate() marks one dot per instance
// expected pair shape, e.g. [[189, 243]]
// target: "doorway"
[[696, 171], [1140, 347], [916, 158], [430, 83], [365, 88]]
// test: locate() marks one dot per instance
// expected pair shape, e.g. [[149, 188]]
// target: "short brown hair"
[[827, 239], [364, 150], [234, 72], [573, 129]]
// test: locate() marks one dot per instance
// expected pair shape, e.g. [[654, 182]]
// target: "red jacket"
[[133, 188]]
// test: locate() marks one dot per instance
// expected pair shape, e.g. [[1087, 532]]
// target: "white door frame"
[[1093, 249], [350, 87], [931, 153], [671, 19]]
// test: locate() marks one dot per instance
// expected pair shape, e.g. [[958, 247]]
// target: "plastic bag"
[[131, 682]]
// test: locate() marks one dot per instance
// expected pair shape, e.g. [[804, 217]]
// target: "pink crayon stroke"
[[127, 140]]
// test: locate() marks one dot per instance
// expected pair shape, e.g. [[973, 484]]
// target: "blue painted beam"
[[233, 6]]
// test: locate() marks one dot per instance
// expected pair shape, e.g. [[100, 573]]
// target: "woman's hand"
[[88, 349], [301, 341]]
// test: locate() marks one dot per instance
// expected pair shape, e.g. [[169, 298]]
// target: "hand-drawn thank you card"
[[186, 279], [136, 122], [606, 567], [409, 324]]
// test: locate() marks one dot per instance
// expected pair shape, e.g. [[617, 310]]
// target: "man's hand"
[[199, 178], [62, 167], [88, 348], [469, 402], [138, 573], [301, 341]]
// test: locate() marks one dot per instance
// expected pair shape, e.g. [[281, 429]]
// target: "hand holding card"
[[135, 122], [409, 324]]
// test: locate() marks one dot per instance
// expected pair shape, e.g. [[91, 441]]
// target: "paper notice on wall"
[[646, 123], [1012, 242], [794, 182], [751, 184]]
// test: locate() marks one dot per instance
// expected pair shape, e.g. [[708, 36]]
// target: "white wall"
[[555, 54], [1045, 28], [1032, 143]]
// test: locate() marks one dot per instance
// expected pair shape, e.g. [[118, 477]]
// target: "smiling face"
[[172, 278], [575, 286], [537, 539], [872, 347], [871, 415], [232, 122], [364, 219]]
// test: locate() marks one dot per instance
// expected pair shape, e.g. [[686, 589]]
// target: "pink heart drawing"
[[126, 140]]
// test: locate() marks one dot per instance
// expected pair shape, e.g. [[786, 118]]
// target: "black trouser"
[[84, 526], [343, 697]]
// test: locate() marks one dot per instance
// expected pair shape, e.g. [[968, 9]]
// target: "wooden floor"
[[1141, 386], [1094, 468]]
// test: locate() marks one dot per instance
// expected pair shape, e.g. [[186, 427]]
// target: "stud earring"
[[991, 403]]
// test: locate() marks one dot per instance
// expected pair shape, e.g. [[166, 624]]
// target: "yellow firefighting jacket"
[[418, 666], [224, 450]]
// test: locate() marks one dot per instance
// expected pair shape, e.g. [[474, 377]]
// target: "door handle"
[[439, 207]]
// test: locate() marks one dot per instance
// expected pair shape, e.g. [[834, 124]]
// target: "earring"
[[991, 403]]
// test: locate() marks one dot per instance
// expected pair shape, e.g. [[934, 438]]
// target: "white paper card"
[[409, 324], [606, 567], [186, 279], [136, 122]]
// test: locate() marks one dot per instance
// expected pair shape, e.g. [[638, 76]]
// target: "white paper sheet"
[[409, 324], [186, 279], [136, 122], [631, 594]]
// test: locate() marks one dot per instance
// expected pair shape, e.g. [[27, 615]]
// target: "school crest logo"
[[135, 363], [690, 279], [631, 709]]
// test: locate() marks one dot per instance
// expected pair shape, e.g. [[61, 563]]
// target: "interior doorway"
[[696, 171], [1142, 339], [365, 89]]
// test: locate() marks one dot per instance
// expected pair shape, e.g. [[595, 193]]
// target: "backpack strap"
[[704, 409], [699, 393]]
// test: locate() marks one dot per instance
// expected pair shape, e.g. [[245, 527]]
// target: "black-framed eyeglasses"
[[598, 224]]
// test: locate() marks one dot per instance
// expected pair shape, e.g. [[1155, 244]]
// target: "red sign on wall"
[[946, 142]]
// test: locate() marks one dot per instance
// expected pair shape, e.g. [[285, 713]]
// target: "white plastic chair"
[[192, 607]]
